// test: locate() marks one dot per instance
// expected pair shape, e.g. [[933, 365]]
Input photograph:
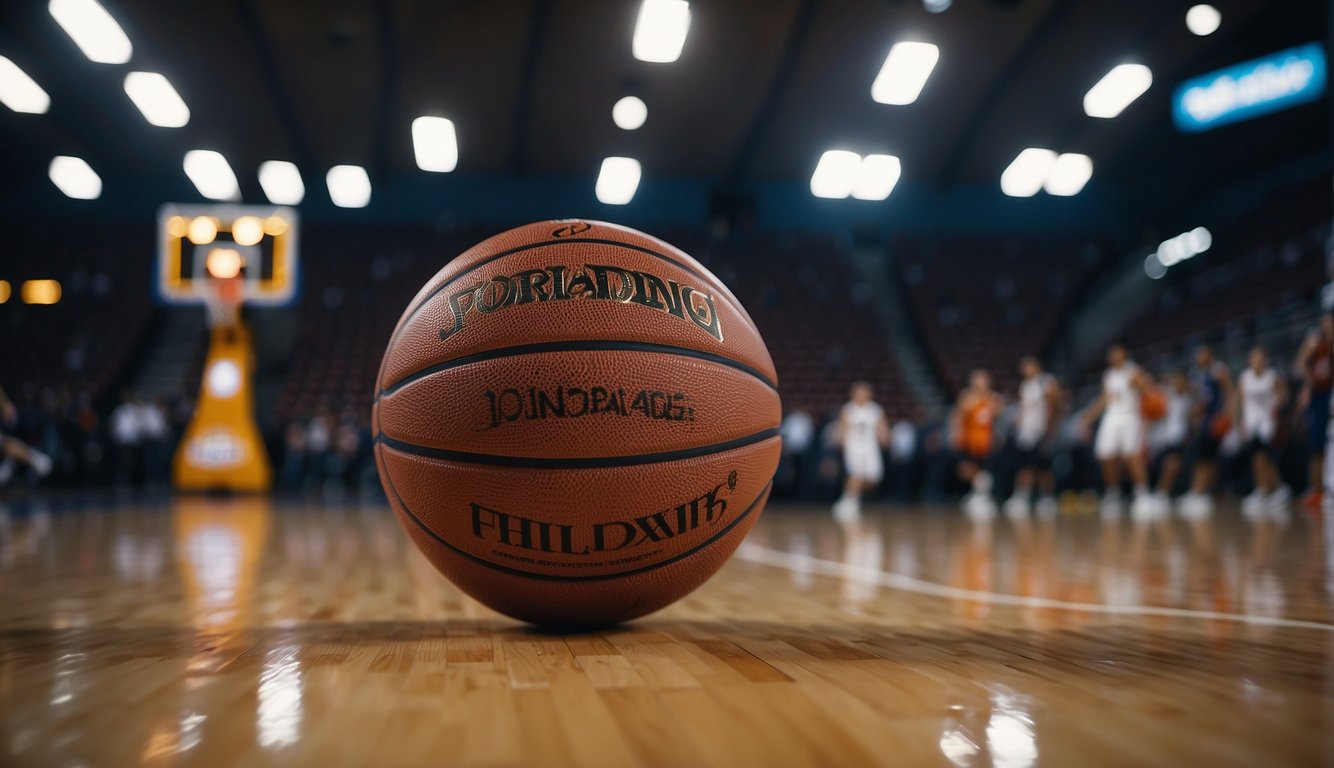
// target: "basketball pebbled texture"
[[576, 423]]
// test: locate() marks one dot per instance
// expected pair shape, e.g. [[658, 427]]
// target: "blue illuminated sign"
[[1258, 87]]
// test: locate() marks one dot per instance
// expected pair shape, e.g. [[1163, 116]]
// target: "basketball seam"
[[591, 462], [403, 321], [575, 346], [553, 577]]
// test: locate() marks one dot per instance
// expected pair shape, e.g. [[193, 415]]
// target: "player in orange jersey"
[[972, 424]]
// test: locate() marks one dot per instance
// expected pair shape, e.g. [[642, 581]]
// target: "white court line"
[[755, 553]]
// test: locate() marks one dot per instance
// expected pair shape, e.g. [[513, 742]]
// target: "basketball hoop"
[[222, 300]]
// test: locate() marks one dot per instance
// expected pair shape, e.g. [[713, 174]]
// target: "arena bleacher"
[[1016, 294], [1270, 265], [100, 320]]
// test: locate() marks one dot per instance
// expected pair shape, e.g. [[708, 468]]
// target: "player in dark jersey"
[[1215, 402], [1315, 361]]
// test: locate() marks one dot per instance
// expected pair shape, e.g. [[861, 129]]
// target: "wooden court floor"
[[248, 633]]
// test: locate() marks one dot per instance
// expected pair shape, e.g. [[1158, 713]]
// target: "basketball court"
[[666, 383], [216, 632]]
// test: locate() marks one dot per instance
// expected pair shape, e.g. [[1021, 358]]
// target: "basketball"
[[576, 423], [1220, 426], [1153, 404]]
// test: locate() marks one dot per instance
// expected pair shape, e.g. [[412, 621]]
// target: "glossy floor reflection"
[[239, 633]]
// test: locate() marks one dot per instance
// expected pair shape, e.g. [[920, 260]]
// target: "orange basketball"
[[1153, 404], [576, 423], [1220, 426]]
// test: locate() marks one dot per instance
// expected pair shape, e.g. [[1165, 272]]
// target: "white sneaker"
[[1047, 508], [1016, 508], [847, 511], [979, 507], [41, 463], [1253, 505], [1278, 498], [1195, 506], [1143, 508], [1162, 504]]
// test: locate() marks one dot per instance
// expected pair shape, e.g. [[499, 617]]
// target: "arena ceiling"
[[762, 88]]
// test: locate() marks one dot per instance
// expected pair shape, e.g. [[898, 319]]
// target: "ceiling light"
[[1028, 172], [202, 230], [1203, 20], [74, 177], [247, 230], [1186, 245], [349, 186], [629, 113], [224, 263], [92, 29], [1117, 89], [211, 175], [20, 92], [876, 177], [660, 30], [904, 73], [156, 99], [435, 144], [836, 174], [618, 180], [40, 291], [1153, 267], [281, 182], [1069, 174]]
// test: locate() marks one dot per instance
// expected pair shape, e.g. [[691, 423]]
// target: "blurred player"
[[1169, 435], [1215, 402], [1315, 362], [863, 431], [1039, 411], [1262, 394], [13, 449], [972, 423], [1120, 438]]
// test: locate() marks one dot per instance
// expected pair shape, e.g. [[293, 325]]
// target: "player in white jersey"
[[1263, 392], [1167, 439], [1040, 403], [863, 431], [1120, 438]]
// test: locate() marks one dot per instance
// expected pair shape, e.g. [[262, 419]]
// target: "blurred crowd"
[[922, 459], [130, 446], [330, 453]]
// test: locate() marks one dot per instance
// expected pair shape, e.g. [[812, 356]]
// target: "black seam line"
[[598, 345], [530, 246], [764, 492], [592, 462]]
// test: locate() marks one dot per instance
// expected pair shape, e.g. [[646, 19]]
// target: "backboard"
[[262, 240]]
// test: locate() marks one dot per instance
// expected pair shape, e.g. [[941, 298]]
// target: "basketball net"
[[222, 300]]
